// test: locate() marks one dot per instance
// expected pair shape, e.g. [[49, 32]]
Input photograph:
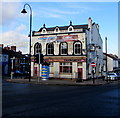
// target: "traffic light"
[[36, 59]]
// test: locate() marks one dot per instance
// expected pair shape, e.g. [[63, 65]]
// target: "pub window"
[[57, 29], [77, 48], [70, 29], [66, 67], [37, 48], [63, 48], [51, 64], [43, 31], [50, 49]]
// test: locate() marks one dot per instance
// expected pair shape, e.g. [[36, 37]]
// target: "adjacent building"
[[11, 60], [111, 62], [69, 50]]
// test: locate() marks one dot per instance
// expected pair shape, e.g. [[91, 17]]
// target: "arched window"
[[50, 49], [77, 48], [70, 29], [37, 48], [56, 29], [63, 48]]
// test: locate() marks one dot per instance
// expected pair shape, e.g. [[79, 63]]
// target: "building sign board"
[[67, 38], [48, 39], [64, 38], [65, 60]]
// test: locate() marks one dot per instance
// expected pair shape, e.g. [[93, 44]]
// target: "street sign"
[[93, 64]]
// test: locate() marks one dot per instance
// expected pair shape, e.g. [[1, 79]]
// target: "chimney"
[[7, 48], [13, 48], [89, 23], [1, 46], [97, 26]]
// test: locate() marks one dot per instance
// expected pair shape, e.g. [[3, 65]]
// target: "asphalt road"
[[32, 100]]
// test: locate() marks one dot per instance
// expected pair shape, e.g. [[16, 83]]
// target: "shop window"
[[77, 48], [65, 67], [51, 64], [63, 48], [37, 48], [50, 49]]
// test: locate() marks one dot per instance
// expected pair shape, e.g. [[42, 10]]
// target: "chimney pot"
[[13, 48]]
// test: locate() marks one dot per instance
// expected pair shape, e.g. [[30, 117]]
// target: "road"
[[32, 100]]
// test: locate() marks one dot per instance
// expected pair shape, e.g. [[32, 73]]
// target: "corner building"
[[69, 50]]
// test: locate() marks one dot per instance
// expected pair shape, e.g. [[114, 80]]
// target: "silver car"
[[111, 76]]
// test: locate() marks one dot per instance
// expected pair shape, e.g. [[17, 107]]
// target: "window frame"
[[37, 48], [78, 48], [50, 48], [62, 49], [65, 67]]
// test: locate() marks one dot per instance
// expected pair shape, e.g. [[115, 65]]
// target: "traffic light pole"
[[93, 75], [39, 69]]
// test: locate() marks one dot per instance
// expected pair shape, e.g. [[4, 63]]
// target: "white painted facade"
[[70, 65], [112, 62]]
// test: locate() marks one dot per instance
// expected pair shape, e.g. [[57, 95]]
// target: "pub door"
[[80, 73]]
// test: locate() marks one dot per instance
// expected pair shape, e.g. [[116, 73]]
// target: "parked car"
[[118, 75], [111, 76], [26, 74]]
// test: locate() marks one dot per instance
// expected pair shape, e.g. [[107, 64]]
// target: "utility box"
[[45, 72]]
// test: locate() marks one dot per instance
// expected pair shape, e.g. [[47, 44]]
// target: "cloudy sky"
[[14, 26]]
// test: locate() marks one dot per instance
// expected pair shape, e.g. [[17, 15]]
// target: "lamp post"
[[24, 11]]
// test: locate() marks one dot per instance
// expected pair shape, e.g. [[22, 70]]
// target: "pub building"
[[69, 50]]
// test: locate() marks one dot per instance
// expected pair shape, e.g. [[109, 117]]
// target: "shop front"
[[67, 67]]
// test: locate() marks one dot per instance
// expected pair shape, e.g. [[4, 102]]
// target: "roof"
[[85, 26], [11, 52], [115, 57]]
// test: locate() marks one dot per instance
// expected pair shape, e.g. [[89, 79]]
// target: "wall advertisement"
[[65, 38]]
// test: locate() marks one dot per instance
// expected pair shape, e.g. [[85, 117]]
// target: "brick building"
[[20, 61]]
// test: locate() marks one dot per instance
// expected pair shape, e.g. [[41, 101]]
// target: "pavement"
[[62, 82]]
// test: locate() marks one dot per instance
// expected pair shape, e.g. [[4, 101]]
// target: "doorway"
[[80, 73]]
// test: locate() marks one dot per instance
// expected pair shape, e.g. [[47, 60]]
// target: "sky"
[[14, 26]]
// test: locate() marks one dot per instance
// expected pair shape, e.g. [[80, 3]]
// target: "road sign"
[[93, 64]]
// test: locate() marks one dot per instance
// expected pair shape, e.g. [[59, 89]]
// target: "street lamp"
[[24, 12]]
